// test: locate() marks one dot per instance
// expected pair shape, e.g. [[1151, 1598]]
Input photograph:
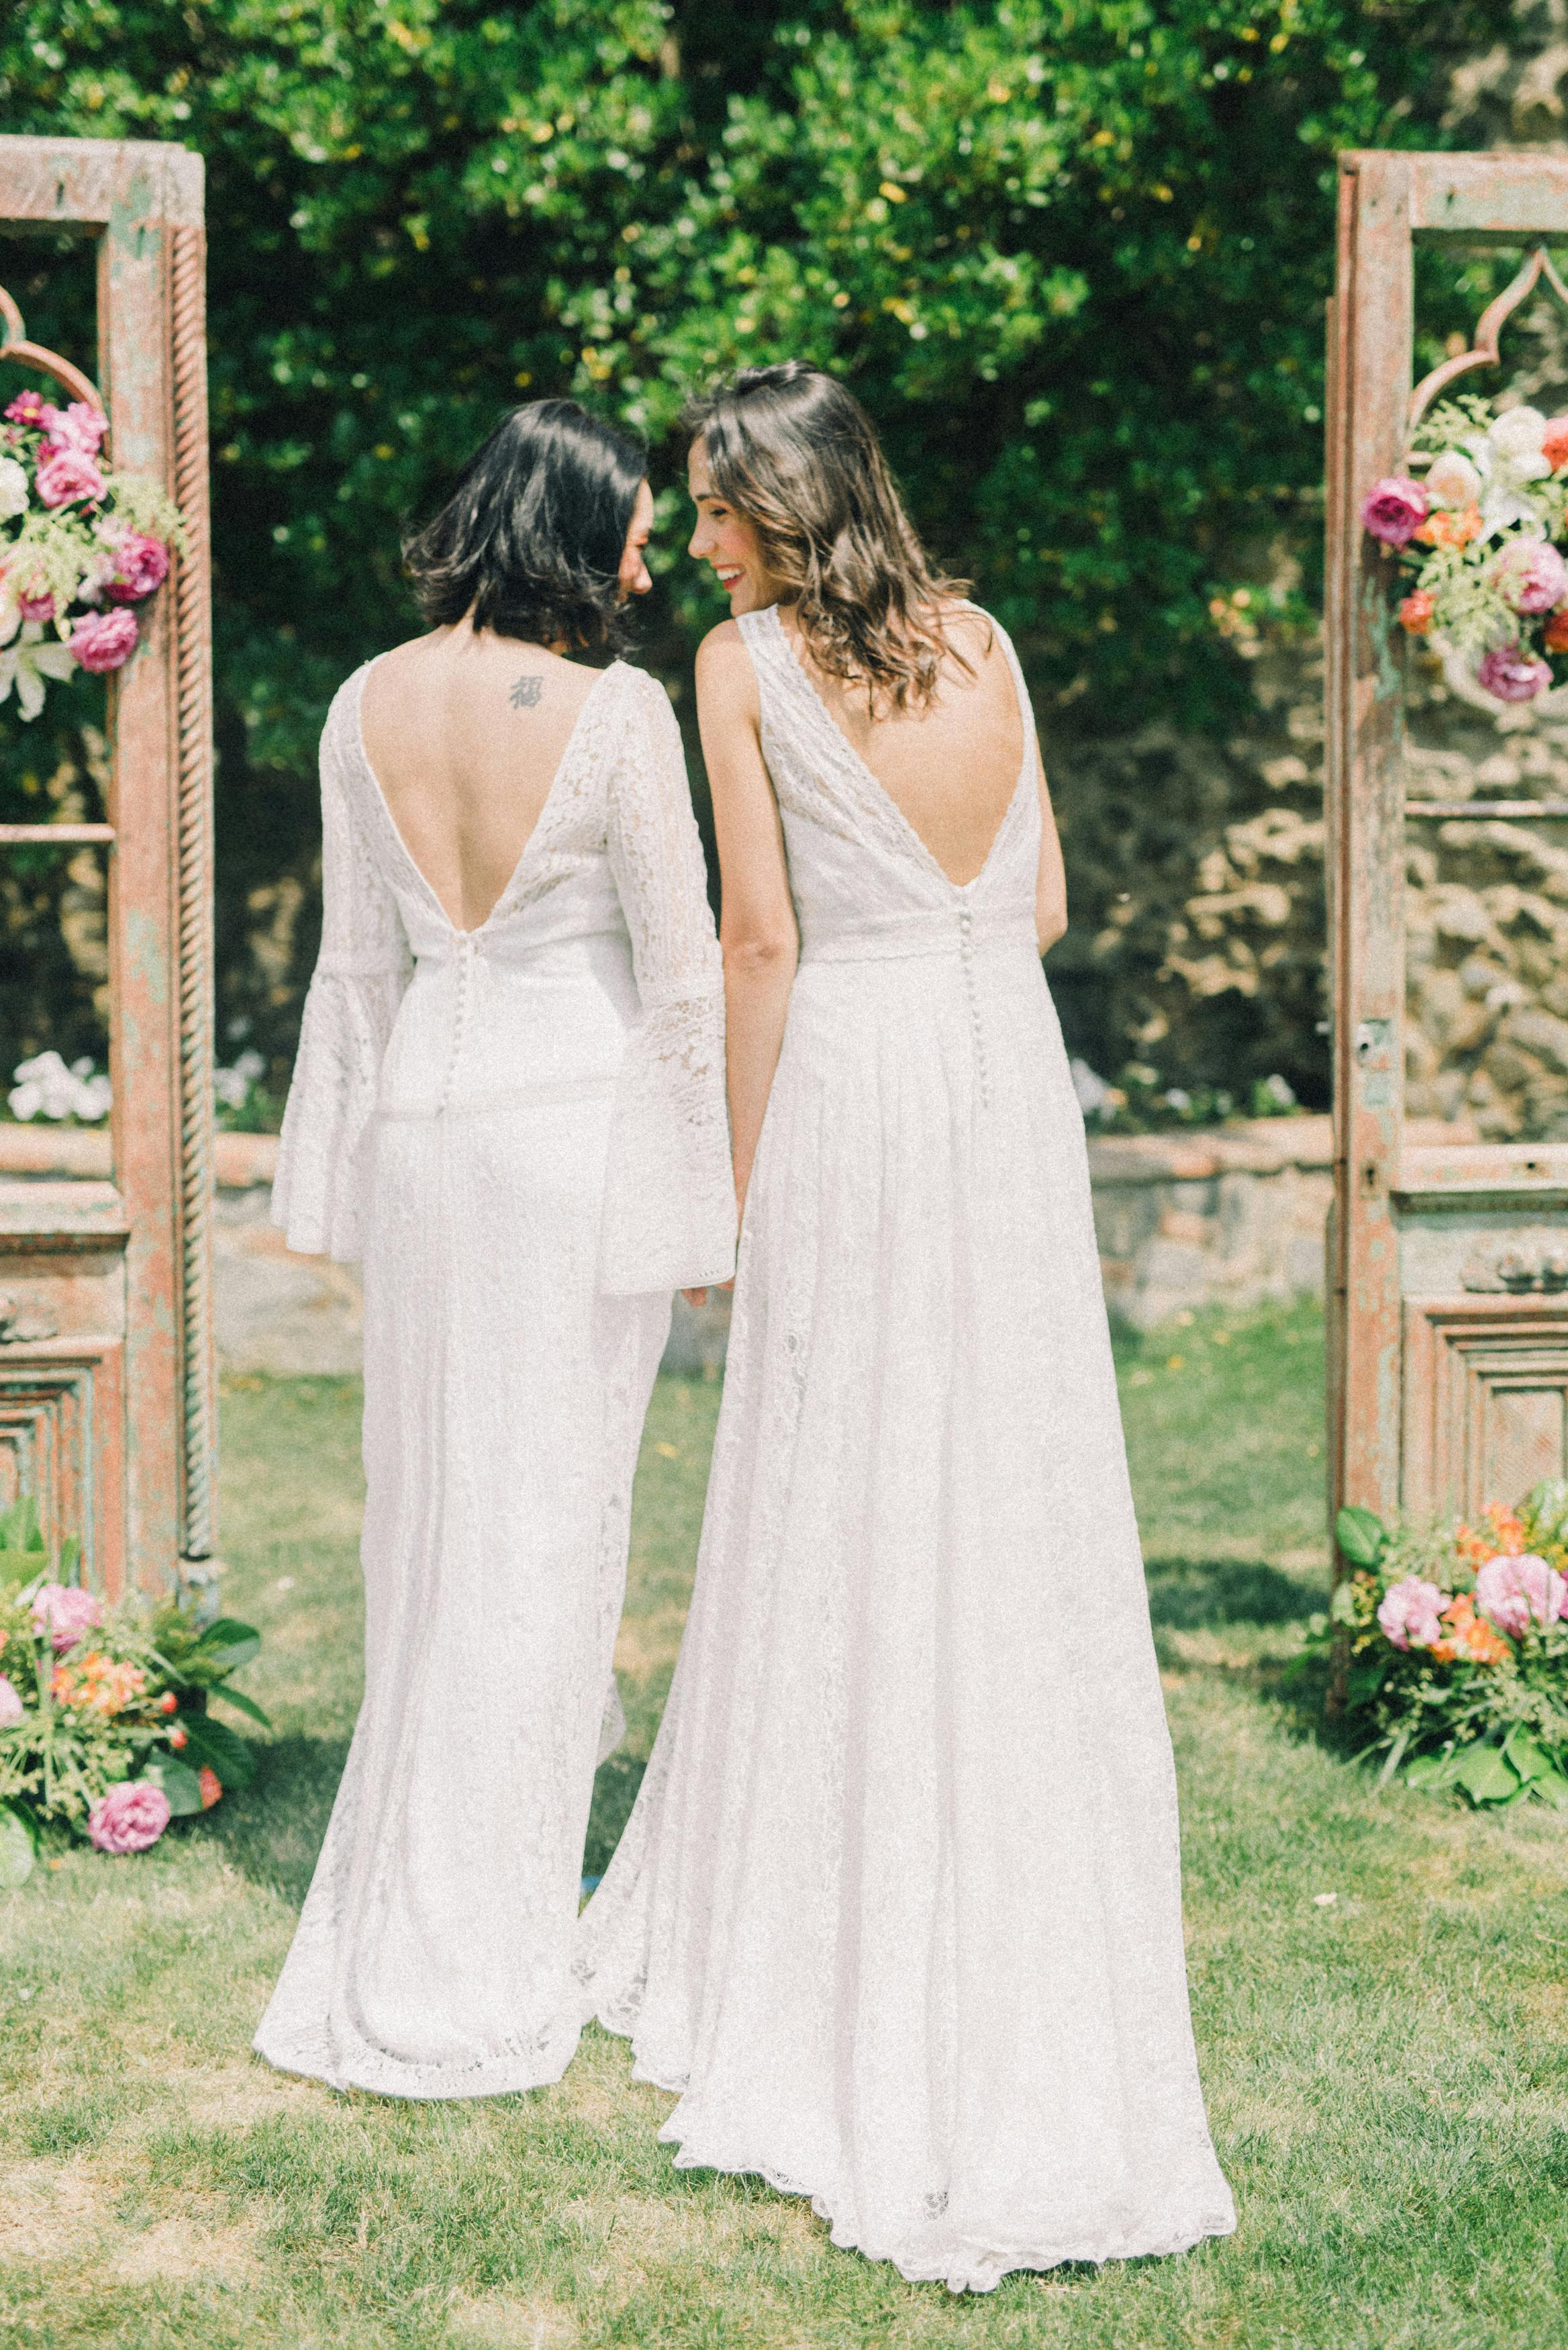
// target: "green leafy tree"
[[1071, 252]]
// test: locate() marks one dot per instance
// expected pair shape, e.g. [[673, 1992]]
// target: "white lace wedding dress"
[[898, 1910], [522, 1130]]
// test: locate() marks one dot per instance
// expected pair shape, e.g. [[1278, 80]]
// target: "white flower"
[[1518, 434], [1453, 481], [12, 488], [45, 1087], [27, 662]]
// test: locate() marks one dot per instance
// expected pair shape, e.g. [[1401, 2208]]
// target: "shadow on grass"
[[1187, 1594], [615, 1791], [272, 1832]]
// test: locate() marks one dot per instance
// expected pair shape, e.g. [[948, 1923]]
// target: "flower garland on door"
[[1480, 539], [80, 545]]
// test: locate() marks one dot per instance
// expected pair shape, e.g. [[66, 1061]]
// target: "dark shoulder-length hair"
[[797, 456], [529, 543]]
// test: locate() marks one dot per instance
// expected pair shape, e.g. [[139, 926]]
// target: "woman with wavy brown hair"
[[899, 1911]]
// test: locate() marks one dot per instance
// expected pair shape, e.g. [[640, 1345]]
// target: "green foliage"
[[1072, 253]]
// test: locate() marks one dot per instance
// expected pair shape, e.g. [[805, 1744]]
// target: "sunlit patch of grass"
[[1386, 2070]]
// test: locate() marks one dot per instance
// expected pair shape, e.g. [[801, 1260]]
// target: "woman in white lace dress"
[[898, 1911], [509, 1102]]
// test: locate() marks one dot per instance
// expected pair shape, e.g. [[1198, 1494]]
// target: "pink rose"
[[1509, 674], [104, 640], [129, 1817], [11, 1706], [78, 426], [1531, 574], [27, 407], [1512, 1590], [36, 607], [142, 564], [1410, 1613], [68, 475], [1394, 509], [64, 1611]]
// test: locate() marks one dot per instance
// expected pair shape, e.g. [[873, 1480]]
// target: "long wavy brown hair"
[[797, 456]]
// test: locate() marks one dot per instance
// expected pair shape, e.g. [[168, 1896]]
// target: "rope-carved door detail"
[[106, 1411]]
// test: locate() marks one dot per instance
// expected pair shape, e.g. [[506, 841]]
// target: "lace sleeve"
[[669, 1197], [360, 975]]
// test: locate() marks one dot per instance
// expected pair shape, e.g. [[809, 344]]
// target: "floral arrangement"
[[79, 544], [1480, 538], [1458, 1642], [104, 1723]]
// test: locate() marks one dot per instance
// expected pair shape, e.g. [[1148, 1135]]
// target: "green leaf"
[[224, 1647], [1363, 1683], [179, 1782], [1529, 1758], [1360, 1535], [1552, 1787], [18, 1849], [221, 1748], [70, 1558], [1485, 1775], [245, 1704], [1394, 1757], [1431, 1772]]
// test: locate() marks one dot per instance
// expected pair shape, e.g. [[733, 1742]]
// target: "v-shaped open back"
[[847, 750], [509, 891]]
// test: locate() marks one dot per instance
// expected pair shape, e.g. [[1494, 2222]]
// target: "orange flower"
[[179, 1738], [1473, 1638], [211, 1787], [1415, 613], [1556, 637], [1554, 444], [1448, 529]]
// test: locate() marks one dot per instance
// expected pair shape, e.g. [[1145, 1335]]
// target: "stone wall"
[[1230, 1218]]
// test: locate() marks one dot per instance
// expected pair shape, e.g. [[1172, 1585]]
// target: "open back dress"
[[898, 1910], [521, 1128]]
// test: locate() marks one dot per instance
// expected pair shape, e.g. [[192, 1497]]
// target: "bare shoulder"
[[723, 655]]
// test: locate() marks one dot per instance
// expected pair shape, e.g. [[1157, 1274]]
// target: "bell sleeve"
[[360, 975], [669, 1194]]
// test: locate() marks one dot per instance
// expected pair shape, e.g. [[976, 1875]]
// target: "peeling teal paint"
[[146, 957]]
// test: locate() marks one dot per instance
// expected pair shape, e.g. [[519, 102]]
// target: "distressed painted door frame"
[[110, 1416], [1414, 1357]]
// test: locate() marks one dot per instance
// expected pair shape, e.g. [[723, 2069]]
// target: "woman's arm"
[[756, 925], [1050, 883]]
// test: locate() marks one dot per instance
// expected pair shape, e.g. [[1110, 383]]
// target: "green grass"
[[1386, 2071]]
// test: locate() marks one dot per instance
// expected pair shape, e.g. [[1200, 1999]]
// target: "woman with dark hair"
[[899, 1911], [509, 1102]]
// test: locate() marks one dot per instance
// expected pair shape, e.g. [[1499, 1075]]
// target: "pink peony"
[[1531, 574], [11, 1706], [27, 407], [69, 475], [78, 426], [142, 564], [129, 1817], [1394, 509], [64, 1611], [36, 607], [104, 640], [1509, 674], [1512, 1590], [1410, 1613]]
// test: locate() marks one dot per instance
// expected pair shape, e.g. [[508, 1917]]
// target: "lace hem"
[[962, 2263], [318, 1193], [668, 1219]]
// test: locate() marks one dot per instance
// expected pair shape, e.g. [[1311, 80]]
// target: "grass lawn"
[[1378, 1982]]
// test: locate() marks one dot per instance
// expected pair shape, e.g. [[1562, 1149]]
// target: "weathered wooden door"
[[105, 1359], [1447, 1267]]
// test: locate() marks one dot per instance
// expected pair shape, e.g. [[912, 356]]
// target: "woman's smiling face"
[[726, 540]]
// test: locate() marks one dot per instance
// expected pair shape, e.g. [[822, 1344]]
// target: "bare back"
[[952, 768], [465, 730]]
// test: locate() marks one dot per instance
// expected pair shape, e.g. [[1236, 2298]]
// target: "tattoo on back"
[[526, 691]]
